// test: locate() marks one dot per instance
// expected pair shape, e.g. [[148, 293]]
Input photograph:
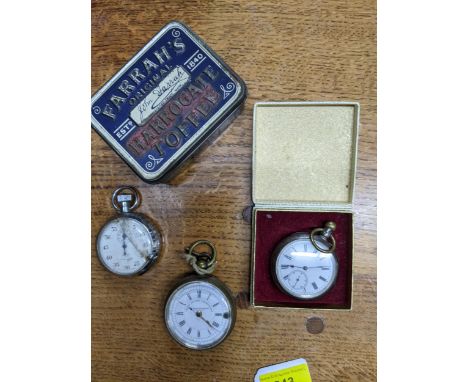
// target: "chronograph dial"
[[128, 244]]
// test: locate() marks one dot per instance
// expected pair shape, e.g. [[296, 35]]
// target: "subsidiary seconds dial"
[[301, 270]]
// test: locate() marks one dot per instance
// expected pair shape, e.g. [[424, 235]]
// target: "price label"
[[291, 371]]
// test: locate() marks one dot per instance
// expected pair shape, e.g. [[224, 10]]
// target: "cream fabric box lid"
[[304, 154]]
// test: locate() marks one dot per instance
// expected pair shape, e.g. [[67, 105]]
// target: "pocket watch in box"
[[200, 311], [304, 157], [128, 244], [304, 265]]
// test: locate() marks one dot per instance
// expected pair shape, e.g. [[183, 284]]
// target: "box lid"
[[304, 154]]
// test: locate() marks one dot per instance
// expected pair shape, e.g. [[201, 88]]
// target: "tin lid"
[[166, 101], [304, 154]]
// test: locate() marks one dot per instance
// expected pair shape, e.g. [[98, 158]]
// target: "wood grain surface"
[[284, 50]]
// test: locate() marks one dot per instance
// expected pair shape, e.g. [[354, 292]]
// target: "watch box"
[[303, 174]]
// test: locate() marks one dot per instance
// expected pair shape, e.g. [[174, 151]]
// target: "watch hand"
[[124, 245], [123, 224], [136, 248], [211, 326], [305, 267], [199, 315]]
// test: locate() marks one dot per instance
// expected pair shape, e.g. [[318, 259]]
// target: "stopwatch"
[[200, 311], [304, 264], [127, 245]]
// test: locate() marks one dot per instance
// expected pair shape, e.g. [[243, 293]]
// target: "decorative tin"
[[166, 101]]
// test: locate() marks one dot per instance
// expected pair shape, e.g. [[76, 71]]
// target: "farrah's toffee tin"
[[165, 102]]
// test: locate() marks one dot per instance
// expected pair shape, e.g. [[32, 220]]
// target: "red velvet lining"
[[272, 227]]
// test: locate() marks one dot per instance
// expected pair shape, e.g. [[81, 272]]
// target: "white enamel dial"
[[199, 314], [126, 245], [301, 270]]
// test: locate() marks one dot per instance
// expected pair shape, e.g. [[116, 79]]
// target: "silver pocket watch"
[[304, 264], [200, 310], [127, 245]]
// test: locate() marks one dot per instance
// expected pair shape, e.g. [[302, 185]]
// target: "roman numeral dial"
[[200, 313], [300, 270]]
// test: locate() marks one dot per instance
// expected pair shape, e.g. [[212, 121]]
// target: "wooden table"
[[284, 50]]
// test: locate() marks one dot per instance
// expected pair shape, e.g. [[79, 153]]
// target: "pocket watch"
[[200, 311], [304, 264], [127, 245]]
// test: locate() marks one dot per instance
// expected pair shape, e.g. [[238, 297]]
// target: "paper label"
[[161, 94], [291, 371]]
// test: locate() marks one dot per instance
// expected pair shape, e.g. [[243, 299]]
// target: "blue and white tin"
[[166, 101]]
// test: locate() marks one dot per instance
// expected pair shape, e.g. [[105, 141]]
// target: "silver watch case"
[[277, 251], [156, 243], [222, 287]]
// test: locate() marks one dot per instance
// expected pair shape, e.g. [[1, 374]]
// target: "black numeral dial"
[[302, 271], [206, 311]]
